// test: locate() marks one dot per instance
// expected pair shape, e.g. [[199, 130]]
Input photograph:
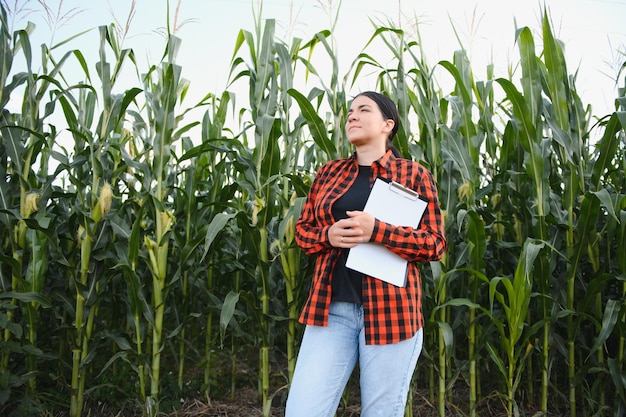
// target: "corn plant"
[[460, 145], [205, 192], [290, 203], [515, 301], [136, 302], [262, 169], [94, 191], [164, 89], [211, 187]]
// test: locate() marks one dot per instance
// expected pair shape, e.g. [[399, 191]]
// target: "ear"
[[389, 124]]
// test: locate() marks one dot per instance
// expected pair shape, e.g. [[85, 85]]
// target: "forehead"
[[361, 101]]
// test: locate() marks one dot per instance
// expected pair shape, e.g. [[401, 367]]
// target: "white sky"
[[593, 32]]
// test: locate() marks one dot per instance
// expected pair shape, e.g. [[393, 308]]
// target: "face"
[[366, 124]]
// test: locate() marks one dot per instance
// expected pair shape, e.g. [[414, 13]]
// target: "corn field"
[[147, 250]]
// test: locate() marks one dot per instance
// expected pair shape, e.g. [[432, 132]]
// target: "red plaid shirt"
[[391, 313]]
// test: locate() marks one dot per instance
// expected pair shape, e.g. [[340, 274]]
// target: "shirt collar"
[[384, 161]]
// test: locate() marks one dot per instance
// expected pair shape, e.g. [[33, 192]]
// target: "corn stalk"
[[515, 299], [260, 182], [290, 261], [95, 193], [164, 87], [290, 204], [569, 131]]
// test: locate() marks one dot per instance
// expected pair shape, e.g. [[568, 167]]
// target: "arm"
[[311, 236], [423, 244]]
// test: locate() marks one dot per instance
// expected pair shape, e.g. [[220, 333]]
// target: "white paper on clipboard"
[[395, 204]]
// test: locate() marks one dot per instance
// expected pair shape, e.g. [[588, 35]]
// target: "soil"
[[246, 405]]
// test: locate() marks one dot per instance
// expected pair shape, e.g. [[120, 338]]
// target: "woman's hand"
[[347, 233]]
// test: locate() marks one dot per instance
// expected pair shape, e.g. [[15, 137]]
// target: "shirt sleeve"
[[422, 244], [311, 234]]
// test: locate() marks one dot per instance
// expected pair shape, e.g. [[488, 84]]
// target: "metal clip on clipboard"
[[403, 191]]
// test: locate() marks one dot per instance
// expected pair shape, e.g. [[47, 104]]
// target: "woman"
[[350, 316]]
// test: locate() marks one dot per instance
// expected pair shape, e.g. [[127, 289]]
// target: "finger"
[[354, 232]]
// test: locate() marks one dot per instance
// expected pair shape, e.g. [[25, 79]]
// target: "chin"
[[355, 141]]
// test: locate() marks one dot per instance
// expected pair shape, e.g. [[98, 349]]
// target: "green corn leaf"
[[621, 240], [123, 355], [610, 202], [265, 64], [189, 249], [133, 288], [5, 93], [556, 74], [497, 359], [619, 379], [607, 146], [612, 312], [460, 302], [454, 148], [24, 42], [38, 264], [586, 224], [227, 312], [212, 128], [448, 336], [242, 35], [27, 297], [285, 71], [528, 133], [361, 61], [460, 82], [71, 38], [477, 239], [12, 140], [5, 200], [531, 74], [317, 127], [215, 227], [83, 63]]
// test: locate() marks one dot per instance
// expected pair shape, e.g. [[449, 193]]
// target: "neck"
[[365, 156]]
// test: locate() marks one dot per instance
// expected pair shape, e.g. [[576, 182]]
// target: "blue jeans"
[[328, 356]]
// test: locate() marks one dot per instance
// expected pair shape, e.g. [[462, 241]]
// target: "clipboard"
[[396, 204]]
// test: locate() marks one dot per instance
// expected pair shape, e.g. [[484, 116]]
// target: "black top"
[[347, 282]]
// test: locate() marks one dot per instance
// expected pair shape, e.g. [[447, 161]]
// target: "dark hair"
[[390, 111]]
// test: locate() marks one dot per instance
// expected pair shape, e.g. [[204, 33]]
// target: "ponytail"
[[394, 150]]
